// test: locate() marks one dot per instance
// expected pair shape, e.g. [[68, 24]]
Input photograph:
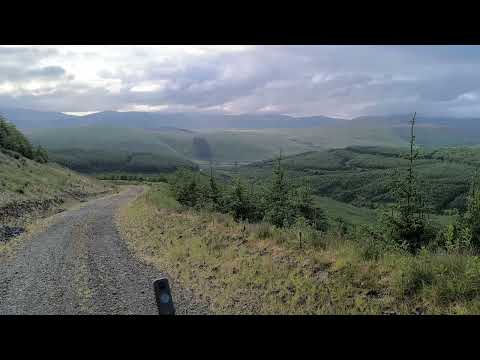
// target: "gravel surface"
[[80, 265]]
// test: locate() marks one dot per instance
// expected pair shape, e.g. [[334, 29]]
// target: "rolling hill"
[[161, 142], [361, 175], [101, 149]]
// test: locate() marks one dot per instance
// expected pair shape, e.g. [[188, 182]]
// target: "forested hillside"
[[362, 176], [13, 140]]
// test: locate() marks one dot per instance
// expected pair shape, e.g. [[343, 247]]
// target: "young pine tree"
[[214, 194], [238, 201], [302, 203], [464, 233], [186, 187], [407, 222], [469, 224], [276, 202]]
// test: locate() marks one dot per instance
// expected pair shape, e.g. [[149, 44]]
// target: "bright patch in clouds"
[[294, 80], [149, 87], [80, 113]]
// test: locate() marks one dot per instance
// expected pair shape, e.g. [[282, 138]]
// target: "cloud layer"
[[343, 81]]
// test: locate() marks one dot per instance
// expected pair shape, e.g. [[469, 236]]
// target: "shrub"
[[186, 187], [455, 238], [40, 155]]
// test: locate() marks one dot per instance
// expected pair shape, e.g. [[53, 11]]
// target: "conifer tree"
[[238, 202], [470, 219], [407, 221], [277, 209], [186, 187], [214, 194], [302, 203]]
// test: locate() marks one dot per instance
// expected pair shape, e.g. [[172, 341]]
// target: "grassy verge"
[[22, 179], [257, 269], [30, 191]]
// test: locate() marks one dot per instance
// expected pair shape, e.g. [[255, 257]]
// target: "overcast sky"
[[342, 81]]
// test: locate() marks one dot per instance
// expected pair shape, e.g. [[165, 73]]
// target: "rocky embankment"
[[18, 209]]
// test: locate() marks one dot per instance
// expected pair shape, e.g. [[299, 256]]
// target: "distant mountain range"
[[430, 130], [31, 119]]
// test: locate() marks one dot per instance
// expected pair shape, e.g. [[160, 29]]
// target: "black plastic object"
[[163, 297]]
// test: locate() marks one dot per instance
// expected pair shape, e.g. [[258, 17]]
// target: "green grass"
[[257, 269], [24, 179], [352, 214], [161, 197]]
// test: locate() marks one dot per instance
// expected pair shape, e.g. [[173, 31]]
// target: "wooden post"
[[300, 236]]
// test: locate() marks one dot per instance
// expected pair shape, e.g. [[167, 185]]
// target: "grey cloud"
[[297, 80], [19, 56], [18, 64], [20, 74], [46, 72]]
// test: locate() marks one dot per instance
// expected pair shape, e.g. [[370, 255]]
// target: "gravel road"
[[80, 265]]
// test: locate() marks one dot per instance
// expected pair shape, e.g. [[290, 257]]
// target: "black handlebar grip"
[[163, 297]]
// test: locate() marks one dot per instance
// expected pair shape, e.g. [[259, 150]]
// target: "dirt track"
[[80, 265]]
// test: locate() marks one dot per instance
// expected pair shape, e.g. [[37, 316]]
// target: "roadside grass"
[[257, 269], [24, 179]]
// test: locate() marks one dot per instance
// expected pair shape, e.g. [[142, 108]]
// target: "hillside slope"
[[27, 186], [362, 175], [244, 268], [100, 149], [108, 149], [110, 146]]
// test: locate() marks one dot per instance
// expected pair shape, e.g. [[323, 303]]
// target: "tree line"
[[278, 202], [12, 139]]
